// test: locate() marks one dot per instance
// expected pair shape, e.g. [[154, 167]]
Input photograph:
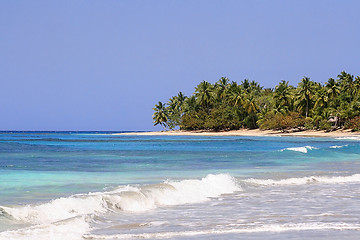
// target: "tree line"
[[228, 105]]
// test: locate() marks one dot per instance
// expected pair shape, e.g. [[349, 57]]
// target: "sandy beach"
[[248, 132]]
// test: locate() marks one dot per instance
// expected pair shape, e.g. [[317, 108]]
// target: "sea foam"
[[299, 149], [233, 229], [306, 180], [126, 198], [71, 229], [349, 138], [338, 146]]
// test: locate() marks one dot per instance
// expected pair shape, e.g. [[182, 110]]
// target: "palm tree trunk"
[[307, 107], [336, 121]]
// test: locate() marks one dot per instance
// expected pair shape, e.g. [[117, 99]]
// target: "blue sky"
[[102, 65]]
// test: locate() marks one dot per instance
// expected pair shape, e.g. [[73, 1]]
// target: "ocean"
[[96, 185]]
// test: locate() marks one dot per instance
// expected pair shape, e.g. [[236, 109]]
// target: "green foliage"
[[205, 95], [193, 120], [160, 116], [308, 123], [278, 121], [250, 121], [175, 110], [283, 94], [228, 105], [324, 125], [304, 95], [354, 124], [222, 119]]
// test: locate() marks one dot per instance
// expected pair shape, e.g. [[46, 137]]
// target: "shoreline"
[[248, 132]]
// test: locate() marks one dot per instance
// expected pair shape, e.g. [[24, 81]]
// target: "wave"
[[306, 180], [71, 216], [337, 146], [234, 229], [125, 198], [299, 149]]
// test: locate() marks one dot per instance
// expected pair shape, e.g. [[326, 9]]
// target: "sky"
[[103, 65]]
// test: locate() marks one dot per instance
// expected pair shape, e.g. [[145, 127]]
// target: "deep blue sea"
[[97, 185]]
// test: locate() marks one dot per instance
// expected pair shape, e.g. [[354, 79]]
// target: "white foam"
[[349, 138], [192, 191], [306, 180], [58, 209], [235, 229], [299, 149], [73, 229], [126, 198], [341, 146], [176, 193]]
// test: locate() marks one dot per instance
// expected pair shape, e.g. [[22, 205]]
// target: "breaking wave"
[[339, 146], [71, 216], [125, 198], [304, 149]]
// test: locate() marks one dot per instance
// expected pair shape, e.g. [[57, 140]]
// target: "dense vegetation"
[[228, 105]]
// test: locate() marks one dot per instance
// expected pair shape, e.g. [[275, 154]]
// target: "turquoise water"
[[123, 186]]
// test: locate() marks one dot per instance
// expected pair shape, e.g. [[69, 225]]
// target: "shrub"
[[353, 124], [308, 123], [279, 121], [324, 125], [193, 121]]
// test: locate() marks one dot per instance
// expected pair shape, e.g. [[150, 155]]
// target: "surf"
[[232, 229], [355, 178], [304, 149], [122, 199]]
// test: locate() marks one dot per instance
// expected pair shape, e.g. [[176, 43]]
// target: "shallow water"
[[103, 186]]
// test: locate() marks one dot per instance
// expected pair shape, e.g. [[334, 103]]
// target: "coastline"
[[248, 132]]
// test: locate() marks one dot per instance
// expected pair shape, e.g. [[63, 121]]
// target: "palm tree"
[[251, 108], [235, 95], [173, 104], [221, 87], [278, 108], [250, 105], [346, 82], [190, 105], [180, 98], [176, 102], [246, 85], [282, 94], [255, 87], [226, 105], [357, 86], [175, 110], [333, 89], [205, 95], [321, 98], [305, 94], [160, 115]]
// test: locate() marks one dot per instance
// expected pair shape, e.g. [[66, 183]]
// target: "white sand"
[[247, 132]]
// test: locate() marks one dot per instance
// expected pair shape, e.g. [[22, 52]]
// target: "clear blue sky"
[[102, 65]]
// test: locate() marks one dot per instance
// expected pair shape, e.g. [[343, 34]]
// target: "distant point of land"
[[228, 106]]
